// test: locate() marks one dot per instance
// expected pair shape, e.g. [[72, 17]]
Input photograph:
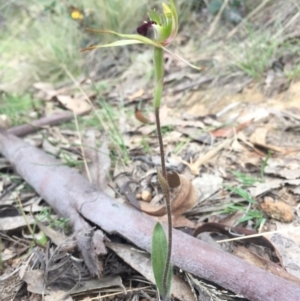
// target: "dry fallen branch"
[[36, 125], [74, 197]]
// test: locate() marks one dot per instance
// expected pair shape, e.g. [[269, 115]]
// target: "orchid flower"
[[159, 31], [163, 27]]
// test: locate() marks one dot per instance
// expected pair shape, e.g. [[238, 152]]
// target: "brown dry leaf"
[[205, 138], [136, 95], [141, 117], [252, 113], [11, 281], [285, 195], [229, 131], [7, 254], [141, 262], [43, 86], [35, 282], [16, 222], [195, 166], [287, 243], [58, 295], [263, 263], [46, 91], [238, 147], [287, 167], [97, 284], [173, 179], [268, 185], [259, 138], [76, 105], [253, 158], [184, 200], [180, 221], [296, 190], [277, 210], [233, 231], [290, 174]]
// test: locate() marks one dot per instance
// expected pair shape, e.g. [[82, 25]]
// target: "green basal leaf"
[[159, 258]]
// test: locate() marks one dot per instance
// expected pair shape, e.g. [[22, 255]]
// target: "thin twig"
[[258, 8], [258, 235], [217, 18], [82, 150]]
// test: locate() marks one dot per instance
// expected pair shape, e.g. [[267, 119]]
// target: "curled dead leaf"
[[185, 199], [259, 137], [229, 231], [264, 263], [141, 117], [181, 203], [173, 179], [229, 131]]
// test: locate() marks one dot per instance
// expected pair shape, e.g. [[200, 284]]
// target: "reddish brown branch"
[[36, 125], [69, 193]]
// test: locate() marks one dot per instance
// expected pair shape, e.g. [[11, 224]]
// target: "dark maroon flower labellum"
[[143, 29]]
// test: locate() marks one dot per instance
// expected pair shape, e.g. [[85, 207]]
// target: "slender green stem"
[[159, 73], [168, 201], [161, 145]]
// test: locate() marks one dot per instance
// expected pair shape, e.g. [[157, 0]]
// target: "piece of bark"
[[71, 195]]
